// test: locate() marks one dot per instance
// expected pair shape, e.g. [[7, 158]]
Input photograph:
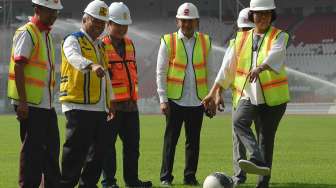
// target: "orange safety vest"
[[123, 70]]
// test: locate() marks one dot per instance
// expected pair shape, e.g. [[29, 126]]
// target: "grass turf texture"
[[304, 155]]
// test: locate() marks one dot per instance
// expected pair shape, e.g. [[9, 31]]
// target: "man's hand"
[[165, 109], [209, 106], [22, 111], [254, 73], [98, 69], [112, 112], [219, 101]]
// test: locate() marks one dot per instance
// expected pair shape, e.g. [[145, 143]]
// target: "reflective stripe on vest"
[[78, 87], [36, 69], [123, 70], [274, 86], [178, 63]]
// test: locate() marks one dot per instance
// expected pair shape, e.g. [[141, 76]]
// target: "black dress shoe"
[[192, 182], [139, 184], [262, 185], [112, 186], [166, 183]]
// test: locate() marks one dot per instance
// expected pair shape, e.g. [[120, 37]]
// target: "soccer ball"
[[218, 180]]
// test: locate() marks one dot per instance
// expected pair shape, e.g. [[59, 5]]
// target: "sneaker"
[[166, 183], [139, 184], [254, 167], [191, 182]]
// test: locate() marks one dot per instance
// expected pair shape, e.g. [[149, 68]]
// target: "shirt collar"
[[180, 35], [41, 26]]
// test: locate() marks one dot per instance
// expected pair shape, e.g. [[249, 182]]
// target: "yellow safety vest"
[[78, 87], [274, 85], [36, 70], [178, 60]]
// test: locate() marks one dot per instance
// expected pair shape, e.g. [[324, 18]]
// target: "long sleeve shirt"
[[252, 91], [189, 94], [72, 52]]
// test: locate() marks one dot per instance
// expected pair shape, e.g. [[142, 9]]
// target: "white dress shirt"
[[23, 47], [252, 91], [72, 52], [189, 94]]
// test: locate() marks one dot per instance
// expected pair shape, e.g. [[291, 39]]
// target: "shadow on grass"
[[302, 185], [293, 185], [273, 185]]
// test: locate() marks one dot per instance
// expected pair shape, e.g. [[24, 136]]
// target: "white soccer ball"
[[218, 180]]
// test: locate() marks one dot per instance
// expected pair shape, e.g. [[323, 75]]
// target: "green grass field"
[[305, 151]]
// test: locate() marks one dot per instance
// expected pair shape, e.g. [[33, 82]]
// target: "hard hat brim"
[[262, 8], [103, 18], [187, 17], [242, 25], [56, 7], [121, 22]]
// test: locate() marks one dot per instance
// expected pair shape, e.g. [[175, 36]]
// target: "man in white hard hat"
[[255, 70], [182, 80], [120, 53], [85, 94], [31, 81]]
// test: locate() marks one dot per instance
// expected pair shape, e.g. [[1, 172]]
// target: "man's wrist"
[[260, 69], [89, 67]]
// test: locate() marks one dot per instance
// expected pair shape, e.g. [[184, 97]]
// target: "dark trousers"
[[266, 119], [84, 148], [266, 127], [126, 125], [40, 149], [192, 118]]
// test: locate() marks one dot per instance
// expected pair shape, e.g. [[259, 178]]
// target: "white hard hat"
[[97, 9], [119, 13], [52, 4], [257, 5], [243, 20], [187, 11]]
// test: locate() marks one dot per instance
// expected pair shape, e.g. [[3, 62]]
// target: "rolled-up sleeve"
[[23, 47], [72, 52], [277, 55], [225, 75], [161, 72]]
